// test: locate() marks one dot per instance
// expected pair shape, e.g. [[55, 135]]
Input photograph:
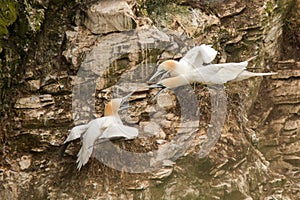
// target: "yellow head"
[[164, 68], [168, 65], [112, 107]]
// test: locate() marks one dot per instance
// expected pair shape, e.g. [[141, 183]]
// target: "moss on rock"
[[8, 15]]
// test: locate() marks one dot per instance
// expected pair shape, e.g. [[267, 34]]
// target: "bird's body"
[[108, 127], [222, 73], [217, 73], [194, 58]]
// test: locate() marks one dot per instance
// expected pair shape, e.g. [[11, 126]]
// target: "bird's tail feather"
[[247, 74], [265, 74]]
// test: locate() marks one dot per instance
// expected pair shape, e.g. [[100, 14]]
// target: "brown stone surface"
[[83, 56]]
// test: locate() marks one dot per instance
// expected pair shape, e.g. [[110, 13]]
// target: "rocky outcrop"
[[277, 131], [109, 16], [237, 142]]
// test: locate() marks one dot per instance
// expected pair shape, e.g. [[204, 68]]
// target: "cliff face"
[[237, 142]]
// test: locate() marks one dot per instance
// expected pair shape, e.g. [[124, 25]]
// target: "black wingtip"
[[62, 150]]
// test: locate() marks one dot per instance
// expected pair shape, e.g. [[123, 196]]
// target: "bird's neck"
[[175, 81], [109, 110]]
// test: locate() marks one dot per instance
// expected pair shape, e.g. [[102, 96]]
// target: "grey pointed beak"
[[125, 100], [157, 85], [156, 95], [124, 106], [156, 74]]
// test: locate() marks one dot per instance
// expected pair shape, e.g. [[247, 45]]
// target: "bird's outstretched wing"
[[229, 71], [119, 131], [76, 132], [199, 55], [92, 133], [216, 73]]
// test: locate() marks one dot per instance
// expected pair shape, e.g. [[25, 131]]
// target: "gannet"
[[108, 127], [211, 74], [195, 57]]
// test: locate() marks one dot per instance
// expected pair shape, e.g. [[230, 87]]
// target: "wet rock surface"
[[90, 52]]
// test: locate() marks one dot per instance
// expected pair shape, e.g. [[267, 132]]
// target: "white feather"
[[199, 55], [76, 132], [217, 73], [109, 127]]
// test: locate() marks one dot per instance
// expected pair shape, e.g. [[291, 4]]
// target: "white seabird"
[[211, 74], [108, 127]]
